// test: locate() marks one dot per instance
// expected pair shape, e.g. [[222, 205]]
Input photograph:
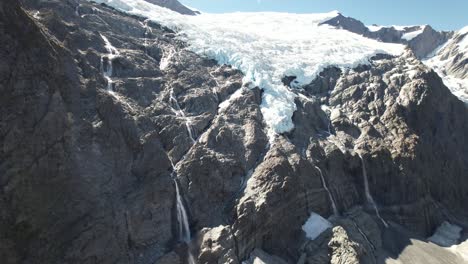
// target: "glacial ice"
[[266, 47]]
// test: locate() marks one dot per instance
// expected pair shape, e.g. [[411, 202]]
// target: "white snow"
[[266, 47], [315, 226], [461, 250], [463, 44], [374, 28], [411, 35]]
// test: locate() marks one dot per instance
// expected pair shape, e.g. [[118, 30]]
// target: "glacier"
[[267, 46]]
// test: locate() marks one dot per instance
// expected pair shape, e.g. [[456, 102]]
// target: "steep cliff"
[[119, 145]]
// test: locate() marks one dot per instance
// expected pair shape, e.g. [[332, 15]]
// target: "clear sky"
[[441, 14]]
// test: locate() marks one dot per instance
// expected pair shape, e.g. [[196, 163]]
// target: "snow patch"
[[446, 235], [266, 47], [411, 35], [463, 44], [225, 104], [374, 28], [315, 226]]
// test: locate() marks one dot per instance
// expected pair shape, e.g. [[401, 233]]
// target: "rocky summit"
[[120, 144]]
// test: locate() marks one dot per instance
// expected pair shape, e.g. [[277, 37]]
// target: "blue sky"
[[441, 14]]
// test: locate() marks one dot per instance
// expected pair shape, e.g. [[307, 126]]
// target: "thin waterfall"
[[77, 10], [178, 111], [166, 59], [324, 184], [368, 194], [107, 69], [148, 30], [182, 218]]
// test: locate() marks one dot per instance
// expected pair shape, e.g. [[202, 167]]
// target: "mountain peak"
[[174, 5]]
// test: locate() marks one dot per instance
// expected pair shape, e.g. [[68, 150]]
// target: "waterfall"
[[182, 218], [362, 233], [368, 194], [77, 10], [215, 89], [178, 111], [166, 59], [107, 69], [148, 30], [324, 184]]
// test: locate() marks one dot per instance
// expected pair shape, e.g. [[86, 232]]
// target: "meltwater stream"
[[368, 194], [107, 68], [180, 113], [325, 186]]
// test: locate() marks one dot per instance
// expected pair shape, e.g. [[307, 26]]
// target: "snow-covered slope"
[[266, 47], [450, 61], [411, 35]]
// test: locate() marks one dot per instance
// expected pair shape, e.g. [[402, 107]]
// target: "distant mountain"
[[450, 61], [446, 52], [423, 40], [174, 5]]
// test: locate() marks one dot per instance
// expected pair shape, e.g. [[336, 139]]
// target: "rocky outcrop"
[[90, 158], [343, 250]]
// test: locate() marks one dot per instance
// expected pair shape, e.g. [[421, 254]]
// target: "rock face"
[[89, 156]]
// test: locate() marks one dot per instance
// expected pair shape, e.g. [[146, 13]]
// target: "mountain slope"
[[421, 39], [120, 144], [451, 62]]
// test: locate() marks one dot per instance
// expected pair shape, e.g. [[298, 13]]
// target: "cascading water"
[[77, 10], [182, 218], [107, 68], [332, 201], [215, 89], [173, 100], [362, 233], [148, 30], [368, 194], [178, 111], [166, 59]]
